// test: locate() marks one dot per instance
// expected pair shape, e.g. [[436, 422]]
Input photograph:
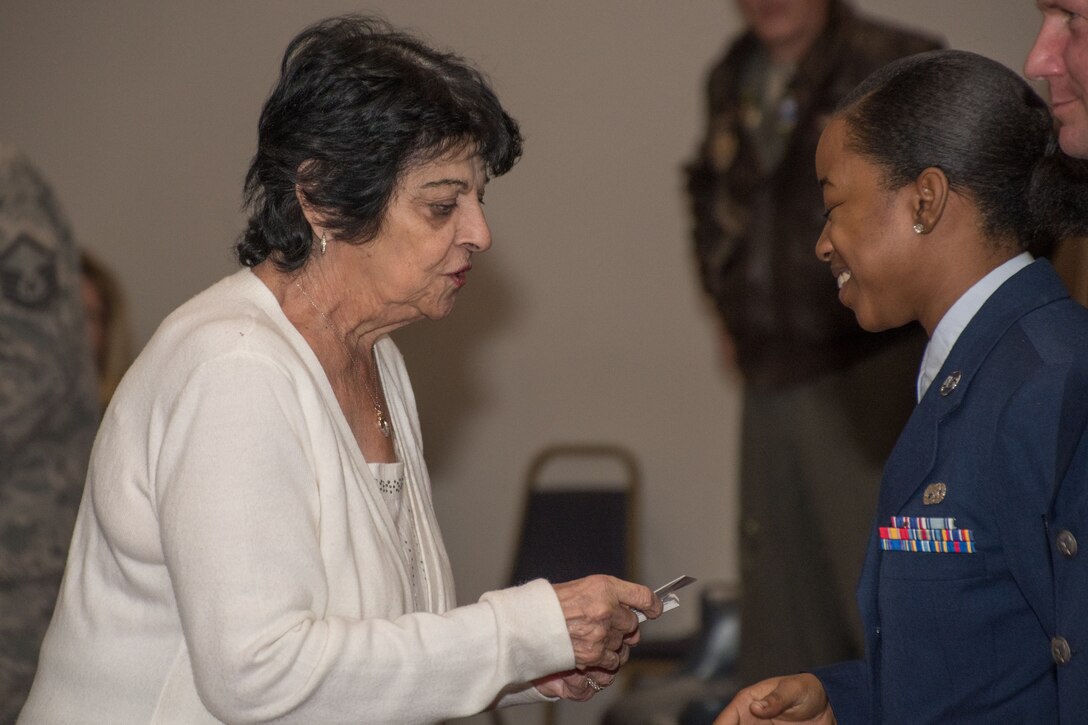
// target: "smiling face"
[[422, 254], [868, 240], [1060, 57]]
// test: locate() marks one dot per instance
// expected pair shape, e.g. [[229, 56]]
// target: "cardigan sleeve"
[[236, 498]]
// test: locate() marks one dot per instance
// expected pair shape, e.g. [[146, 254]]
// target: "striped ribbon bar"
[[914, 522], [925, 534], [931, 547], [930, 535]]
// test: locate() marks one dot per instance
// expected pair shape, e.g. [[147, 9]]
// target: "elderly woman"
[[938, 172], [257, 541]]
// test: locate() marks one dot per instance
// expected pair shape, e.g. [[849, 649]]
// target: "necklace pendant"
[[383, 423]]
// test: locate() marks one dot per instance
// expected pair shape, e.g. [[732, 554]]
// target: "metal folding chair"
[[579, 518]]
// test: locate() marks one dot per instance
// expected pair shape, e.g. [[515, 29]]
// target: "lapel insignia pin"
[[950, 383], [934, 493]]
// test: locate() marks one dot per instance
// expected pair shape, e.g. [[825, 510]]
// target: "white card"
[[666, 593]]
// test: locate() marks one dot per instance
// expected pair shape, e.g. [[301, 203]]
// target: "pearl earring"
[[919, 228]]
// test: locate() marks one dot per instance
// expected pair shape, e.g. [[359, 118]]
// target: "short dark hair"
[[357, 104], [985, 128]]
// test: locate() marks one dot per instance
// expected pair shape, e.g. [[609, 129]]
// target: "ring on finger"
[[594, 685]]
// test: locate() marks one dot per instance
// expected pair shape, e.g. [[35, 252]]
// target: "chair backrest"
[[580, 514]]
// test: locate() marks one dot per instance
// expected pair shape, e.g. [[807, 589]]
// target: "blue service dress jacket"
[[974, 595]]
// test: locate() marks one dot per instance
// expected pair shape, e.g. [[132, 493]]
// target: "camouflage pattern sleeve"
[[48, 410], [48, 415]]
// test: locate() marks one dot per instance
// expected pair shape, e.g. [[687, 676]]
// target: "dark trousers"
[[811, 461]]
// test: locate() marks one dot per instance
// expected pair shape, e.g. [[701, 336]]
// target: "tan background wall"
[[582, 323]]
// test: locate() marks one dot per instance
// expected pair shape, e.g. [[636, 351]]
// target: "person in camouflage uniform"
[[48, 415]]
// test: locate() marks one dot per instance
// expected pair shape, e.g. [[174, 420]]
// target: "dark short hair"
[[985, 128], [357, 104]]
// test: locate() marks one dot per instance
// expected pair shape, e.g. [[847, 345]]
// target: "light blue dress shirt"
[[958, 315]]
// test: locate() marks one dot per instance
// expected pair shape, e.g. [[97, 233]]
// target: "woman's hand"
[[600, 620], [575, 684], [797, 698]]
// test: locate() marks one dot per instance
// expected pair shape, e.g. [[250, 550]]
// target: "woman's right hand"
[[600, 620]]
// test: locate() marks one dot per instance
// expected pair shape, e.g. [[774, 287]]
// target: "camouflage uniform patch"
[[28, 273]]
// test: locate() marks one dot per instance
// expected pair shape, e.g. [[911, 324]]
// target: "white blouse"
[[390, 478]]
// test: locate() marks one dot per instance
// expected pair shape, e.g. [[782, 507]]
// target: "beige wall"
[[583, 322]]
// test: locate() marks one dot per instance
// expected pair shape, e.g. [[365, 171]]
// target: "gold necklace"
[[382, 422]]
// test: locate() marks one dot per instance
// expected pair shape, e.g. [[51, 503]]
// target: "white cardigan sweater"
[[233, 559]]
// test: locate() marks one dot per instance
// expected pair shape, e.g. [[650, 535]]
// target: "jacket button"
[[1066, 543], [1059, 650]]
